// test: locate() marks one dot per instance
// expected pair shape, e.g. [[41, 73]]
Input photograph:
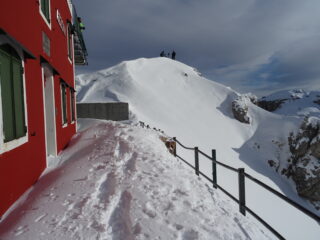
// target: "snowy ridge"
[[117, 181], [172, 96]]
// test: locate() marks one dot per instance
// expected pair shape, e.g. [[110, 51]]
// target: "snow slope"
[[297, 102], [117, 181], [172, 96]]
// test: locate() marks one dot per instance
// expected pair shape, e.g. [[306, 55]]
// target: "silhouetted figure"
[[162, 54], [173, 55], [81, 25]]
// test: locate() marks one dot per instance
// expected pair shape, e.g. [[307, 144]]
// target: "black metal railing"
[[80, 50], [242, 175]]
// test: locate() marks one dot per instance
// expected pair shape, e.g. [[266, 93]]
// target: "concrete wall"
[[116, 111]]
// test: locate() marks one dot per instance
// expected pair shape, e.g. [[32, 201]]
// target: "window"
[[12, 94], [72, 105], [70, 52], [45, 9], [64, 102]]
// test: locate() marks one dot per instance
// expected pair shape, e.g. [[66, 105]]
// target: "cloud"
[[254, 45]]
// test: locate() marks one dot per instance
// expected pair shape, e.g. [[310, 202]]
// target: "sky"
[[253, 46]]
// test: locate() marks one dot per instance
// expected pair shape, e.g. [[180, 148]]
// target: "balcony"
[[80, 50]]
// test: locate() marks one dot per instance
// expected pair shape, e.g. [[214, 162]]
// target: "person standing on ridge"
[[173, 55], [162, 54]]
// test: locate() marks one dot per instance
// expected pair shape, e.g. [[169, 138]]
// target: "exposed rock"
[[307, 181], [317, 101], [304, 165], [315, 147], [276, 100], [272, 163], [240, 109], [271, 106]]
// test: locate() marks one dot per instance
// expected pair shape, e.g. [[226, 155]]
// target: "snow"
[[313, 121], [118, 181], [172, 96]]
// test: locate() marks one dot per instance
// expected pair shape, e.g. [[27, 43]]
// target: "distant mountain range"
[[295, 102]]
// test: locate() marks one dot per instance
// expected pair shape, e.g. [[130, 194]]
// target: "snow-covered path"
[[117, 181]]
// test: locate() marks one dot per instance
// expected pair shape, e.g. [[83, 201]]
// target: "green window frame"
[[72, 102], [12, 94], [64, 102], [45, 9]]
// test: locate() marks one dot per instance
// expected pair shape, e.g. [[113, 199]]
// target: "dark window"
[[70, 41], [45, 9], [72, 105], [12, 94], [64, 102]]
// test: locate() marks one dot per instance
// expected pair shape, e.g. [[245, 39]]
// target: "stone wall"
[[116, 111]]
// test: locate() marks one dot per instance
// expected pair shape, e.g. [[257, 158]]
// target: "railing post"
[[196, 160], [214, 168], [242, 191], [175, 146]]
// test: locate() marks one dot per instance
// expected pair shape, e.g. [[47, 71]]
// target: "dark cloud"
[[251, 45]]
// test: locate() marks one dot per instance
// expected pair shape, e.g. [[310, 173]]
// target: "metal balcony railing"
[[80, 50]]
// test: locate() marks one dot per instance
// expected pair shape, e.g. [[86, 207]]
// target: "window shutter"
[[69, 41], [72, 106], [64, 105], [18, 99], [7, 97], [45, 8]]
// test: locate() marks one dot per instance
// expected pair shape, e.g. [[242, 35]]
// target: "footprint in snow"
[[120, 221], [67, 202], [20, 230], [180, 193], [38, 219], [107, 188], [149, 210], [130, 166], [190, 235], [81, 179], [178, 226], [98, 167]]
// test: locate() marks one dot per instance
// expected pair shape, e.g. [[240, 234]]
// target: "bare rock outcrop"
[[271, 106], [240, 107], [318, 100], [304, 165], [276, 101]]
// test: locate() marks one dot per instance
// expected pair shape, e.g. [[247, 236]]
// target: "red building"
[[40, 43]]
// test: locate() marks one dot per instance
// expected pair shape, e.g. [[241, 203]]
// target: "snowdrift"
[[117, 181]]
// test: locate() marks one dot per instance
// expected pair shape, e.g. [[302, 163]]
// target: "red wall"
[[21, 167]]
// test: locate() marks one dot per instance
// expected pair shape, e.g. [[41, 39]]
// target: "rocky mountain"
[[295, 102], [302, 163]]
